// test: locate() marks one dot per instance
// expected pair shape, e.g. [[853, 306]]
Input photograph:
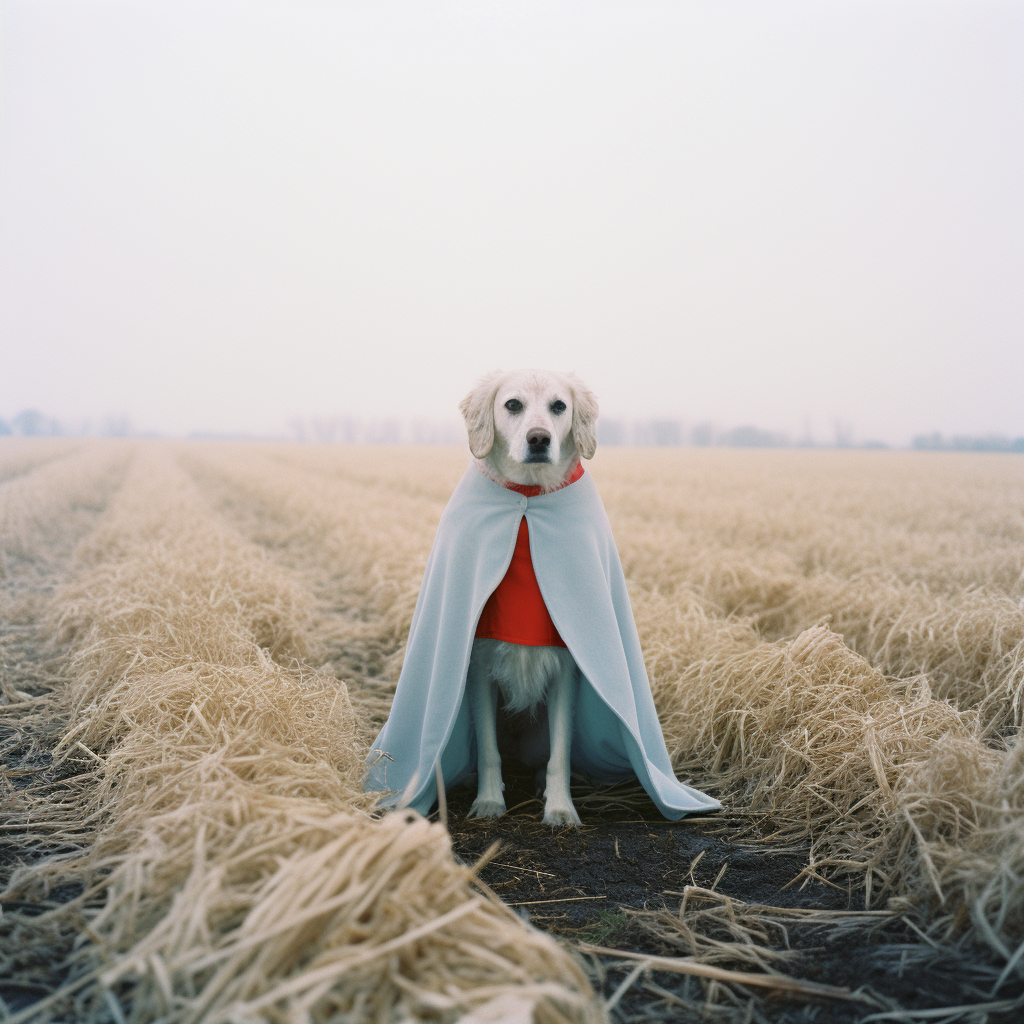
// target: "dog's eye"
[[558, 407], [514, 405]]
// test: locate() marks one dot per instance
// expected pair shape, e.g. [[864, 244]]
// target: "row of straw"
[[51, 500], [951, 522], [359, 548], [21, 455], [886, 781]]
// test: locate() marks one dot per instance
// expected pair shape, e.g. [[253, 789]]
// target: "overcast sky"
[[218, 216]]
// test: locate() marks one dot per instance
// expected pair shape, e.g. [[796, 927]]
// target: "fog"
[[222, 216]]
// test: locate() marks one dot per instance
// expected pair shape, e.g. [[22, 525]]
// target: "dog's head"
[[530, 426]]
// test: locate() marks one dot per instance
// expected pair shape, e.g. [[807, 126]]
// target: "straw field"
[[200, 641]]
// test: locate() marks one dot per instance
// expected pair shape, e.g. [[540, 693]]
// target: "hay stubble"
[[836, 644]]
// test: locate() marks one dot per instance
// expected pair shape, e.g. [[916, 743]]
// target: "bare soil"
[[580, 884]]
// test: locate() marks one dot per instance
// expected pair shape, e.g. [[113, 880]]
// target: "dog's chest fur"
[[521, 672]]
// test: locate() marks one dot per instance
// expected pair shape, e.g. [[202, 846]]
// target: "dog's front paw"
[[561, 817], [487, 808]]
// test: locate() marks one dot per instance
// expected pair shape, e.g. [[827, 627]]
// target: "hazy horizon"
[[223, 216]]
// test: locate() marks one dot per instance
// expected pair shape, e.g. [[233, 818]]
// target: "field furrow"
[[20, 455], [359, 547], [46, 508]]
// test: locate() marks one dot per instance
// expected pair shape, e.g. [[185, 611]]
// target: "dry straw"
[[861, 759], [882, 736], [870, 767], [953, 523], [918, 563], [716, 929], [969, 644], [358, 545], [48, 500], [20, 455], [235, 874]]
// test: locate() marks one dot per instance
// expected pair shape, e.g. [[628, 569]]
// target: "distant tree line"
[[669, 433], [936, 442], [645, 433], [33, 423], [649, 433], [352, 430], [672, 433], [664, 432]]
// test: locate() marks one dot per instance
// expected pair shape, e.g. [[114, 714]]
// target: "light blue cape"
[[616, 730]]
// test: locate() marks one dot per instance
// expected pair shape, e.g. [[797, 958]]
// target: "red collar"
[[535, 490]]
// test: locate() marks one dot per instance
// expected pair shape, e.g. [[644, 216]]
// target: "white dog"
[[527, 427]]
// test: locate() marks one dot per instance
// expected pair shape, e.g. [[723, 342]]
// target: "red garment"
[[516, 612]]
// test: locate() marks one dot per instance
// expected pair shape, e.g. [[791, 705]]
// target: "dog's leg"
[[483, 693], [558, 808]]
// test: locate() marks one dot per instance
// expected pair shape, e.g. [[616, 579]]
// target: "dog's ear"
[[584, 417], [478, 410]]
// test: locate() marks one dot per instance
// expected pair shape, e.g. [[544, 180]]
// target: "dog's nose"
[[538, 438]]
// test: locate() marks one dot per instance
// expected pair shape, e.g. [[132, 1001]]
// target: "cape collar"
[[535, 490]]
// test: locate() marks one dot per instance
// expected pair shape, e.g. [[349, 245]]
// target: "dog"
[[528, 428]]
